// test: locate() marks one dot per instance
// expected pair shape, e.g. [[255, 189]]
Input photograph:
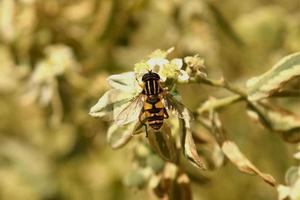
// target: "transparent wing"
[[131, 111], [176, 107]]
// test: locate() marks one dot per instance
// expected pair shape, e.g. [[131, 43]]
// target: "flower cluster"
[[126, 86], [167, 69]]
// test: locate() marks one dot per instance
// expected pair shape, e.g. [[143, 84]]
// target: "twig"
[[287, 93]]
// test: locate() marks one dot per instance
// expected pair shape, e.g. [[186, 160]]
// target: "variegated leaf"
[[234, 154], [189, 147], [286, 123], [162, 142], [273, 80]]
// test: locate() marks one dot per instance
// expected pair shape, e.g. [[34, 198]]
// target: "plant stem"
[[287, 93], [221, 83]]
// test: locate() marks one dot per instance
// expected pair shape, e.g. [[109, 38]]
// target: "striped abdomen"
[[154, 111]]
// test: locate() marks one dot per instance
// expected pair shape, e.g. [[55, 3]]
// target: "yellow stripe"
[[154, 86], [147, 87]]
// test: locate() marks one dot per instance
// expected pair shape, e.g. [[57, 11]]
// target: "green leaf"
[[279, 120], [118, 136], [189, 147], [162, 142], [274, 79]]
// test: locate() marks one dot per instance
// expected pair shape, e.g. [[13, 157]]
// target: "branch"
[[221, 83], [287, 93]]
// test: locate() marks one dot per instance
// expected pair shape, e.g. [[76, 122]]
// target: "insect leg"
[[146, 129]]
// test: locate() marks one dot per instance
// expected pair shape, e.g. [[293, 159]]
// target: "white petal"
[[106, 103], [178, 63], [157, 61], [126, 82], [183, 76]]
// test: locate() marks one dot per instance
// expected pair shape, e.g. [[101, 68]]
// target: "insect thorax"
[[151, 83]]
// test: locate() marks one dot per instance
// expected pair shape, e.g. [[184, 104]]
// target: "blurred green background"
[[55, 56]]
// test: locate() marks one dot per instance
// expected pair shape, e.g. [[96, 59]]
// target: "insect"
[[151, 106]]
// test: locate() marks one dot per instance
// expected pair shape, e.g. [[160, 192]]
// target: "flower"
[[166, 69], [195, 66], [124, 88]]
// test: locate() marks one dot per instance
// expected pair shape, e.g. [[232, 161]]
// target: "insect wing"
[[131, 112], [176, 107]]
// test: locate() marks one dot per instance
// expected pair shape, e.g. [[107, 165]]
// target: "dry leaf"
[[189, 147], [234, 154]]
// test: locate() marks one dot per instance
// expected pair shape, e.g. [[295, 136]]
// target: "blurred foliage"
[[56, 55]]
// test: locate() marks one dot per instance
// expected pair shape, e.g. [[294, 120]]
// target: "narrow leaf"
[[234, 154], [286, 123], [162, 142], [274, 79], [189, 147]]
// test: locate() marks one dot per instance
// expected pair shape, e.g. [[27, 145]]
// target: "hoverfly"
[[151, 106]]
